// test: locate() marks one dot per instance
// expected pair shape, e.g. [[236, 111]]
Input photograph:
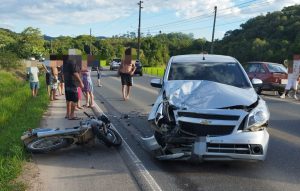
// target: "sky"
[[116, 17]]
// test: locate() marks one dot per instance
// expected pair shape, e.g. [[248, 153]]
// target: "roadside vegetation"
[[18, 112], [154, 71]]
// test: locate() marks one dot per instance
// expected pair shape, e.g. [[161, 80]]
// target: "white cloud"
[[7, 25], [73, 12]]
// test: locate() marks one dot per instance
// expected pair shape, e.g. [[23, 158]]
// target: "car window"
[[251, 68], [277, 68], [261, 69], [226, 73]]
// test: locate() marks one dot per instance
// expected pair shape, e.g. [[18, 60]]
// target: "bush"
[[9, 60]]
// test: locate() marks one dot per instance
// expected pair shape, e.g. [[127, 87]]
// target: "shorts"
[[292, 83], [72, 96], [126, 79], [54, 86], [34, 85]]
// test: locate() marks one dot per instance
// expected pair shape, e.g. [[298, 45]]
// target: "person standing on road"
[[61, 80], [48, 78], [54, 82], [99, 76], [72, 80], [88, 87], [32, 72], [126, 71], [292, 83]]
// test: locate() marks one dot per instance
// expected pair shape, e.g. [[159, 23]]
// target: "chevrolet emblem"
[[205, 122]]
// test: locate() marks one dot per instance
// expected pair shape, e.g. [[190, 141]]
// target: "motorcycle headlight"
[[258, 116]]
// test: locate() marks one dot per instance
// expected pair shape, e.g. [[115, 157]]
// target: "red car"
[[273, 75]]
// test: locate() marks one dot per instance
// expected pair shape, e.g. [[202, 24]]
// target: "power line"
[[220, 14], [205, 27], [199, 16]]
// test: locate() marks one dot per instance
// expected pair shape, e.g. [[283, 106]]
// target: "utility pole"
[[90, 41], [139, 30], [213, 33]]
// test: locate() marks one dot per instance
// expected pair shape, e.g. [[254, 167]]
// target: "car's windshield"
[[277, 68], [226, 73], [117, 60]]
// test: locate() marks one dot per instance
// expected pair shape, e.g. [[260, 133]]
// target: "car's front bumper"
[[114, 67], [138, 70], [238, 146]]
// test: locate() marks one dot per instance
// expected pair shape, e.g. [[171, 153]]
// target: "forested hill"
[[271, 37]]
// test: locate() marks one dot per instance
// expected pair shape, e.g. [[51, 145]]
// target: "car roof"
[[261, 62], [199, 58]]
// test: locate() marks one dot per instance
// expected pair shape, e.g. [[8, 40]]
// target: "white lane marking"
[[147, 176]]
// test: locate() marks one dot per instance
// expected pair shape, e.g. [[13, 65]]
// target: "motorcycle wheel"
[[47, 144], [111, 138]]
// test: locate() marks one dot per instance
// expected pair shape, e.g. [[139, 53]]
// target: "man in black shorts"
[[72, 67], [126, 70]]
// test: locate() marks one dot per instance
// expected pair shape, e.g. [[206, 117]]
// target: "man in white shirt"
[[34, 80]]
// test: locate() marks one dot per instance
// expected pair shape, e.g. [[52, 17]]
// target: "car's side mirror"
[[256, 81], [257, 84], [156, 83]]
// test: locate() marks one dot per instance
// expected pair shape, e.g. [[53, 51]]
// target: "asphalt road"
[[280, 171]]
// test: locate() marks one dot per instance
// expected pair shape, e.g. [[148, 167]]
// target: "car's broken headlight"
[[258, 116]]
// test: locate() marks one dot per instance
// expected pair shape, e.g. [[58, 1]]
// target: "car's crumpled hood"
[[207, 94]]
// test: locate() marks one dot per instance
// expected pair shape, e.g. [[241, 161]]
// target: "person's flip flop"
[[74, 118]]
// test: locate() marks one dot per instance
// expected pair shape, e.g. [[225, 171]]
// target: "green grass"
[[155, 71], [18, 112]]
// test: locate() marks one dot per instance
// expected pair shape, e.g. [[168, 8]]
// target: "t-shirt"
[[33, 74], [69, 68]]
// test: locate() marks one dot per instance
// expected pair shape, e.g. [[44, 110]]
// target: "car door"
[[261, 73]]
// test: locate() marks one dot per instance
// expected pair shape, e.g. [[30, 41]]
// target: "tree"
[[7, 38], [30, 43], [105, 50]]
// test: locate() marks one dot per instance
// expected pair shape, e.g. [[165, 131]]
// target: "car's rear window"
[[226, 73], [276, 68]]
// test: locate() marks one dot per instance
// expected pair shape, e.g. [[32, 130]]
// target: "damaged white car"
[[207, 109]]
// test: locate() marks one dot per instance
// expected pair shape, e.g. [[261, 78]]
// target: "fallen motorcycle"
[[43, 140]]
